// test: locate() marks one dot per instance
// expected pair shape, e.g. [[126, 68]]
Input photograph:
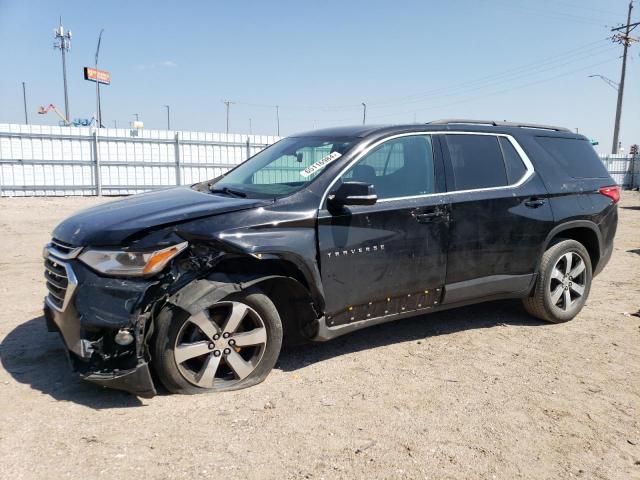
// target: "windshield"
[[283, 168]]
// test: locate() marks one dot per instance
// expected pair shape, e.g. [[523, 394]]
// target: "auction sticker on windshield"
[[320, 164]]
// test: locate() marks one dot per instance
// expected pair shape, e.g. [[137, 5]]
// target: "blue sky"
[[423, 60]]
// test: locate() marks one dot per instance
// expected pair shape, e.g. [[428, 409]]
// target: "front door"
[[390, 257]]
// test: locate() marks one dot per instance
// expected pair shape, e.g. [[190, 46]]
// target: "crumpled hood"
[[113, 222]]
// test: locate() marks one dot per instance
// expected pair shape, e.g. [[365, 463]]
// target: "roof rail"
[[497, 124]]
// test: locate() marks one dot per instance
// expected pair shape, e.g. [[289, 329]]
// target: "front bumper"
[[91, 311], [86, 361]]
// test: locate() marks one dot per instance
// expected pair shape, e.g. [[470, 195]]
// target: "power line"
[[499, 78], [583, 7], [505, 73], [509, 76], [500, 92], [556, 15]]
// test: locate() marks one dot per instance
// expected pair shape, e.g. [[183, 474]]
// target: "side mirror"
[[353, 193]]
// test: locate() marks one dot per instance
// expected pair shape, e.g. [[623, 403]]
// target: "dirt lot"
[[478, 392]]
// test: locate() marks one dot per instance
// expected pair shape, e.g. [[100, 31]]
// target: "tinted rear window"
[[576, 157], [477, 161]]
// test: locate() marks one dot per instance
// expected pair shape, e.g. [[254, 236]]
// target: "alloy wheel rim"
[[221, 345], [567, 285]]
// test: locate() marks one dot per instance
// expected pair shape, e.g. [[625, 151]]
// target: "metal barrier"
[[49, 160], [624, 169]]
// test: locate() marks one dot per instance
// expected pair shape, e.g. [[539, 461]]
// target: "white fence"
[[624, 169], [51, 160]]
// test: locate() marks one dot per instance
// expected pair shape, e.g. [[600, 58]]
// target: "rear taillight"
[[612, 192]]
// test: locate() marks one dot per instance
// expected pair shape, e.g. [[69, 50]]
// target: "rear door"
[[500, 216], [390, 257]]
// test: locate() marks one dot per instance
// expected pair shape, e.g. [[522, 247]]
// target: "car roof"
[[488, 126]]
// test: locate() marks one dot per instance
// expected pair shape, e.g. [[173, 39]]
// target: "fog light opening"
[[124, 337]]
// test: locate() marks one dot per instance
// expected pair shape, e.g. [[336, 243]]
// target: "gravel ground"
[[478, 392]]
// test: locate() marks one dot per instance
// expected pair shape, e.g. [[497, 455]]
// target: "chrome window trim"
[[523, 156]]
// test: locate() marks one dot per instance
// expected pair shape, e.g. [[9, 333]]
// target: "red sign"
[[91, 74]]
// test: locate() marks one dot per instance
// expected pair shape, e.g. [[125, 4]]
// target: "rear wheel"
[[229, 345], [563, 283]]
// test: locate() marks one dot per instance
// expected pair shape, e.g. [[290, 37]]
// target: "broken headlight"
[[119, 263]]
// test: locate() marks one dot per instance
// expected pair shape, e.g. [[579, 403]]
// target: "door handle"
[[534, 202], [425, 217]]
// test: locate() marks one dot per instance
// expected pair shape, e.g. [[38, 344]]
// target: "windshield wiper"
[[229, 191]]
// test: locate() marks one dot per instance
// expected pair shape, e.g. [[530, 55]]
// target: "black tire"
[[171, 322], [541, 303]]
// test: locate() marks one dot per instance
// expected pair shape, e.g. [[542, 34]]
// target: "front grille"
[[57, 281], [58, 274], [62, 247]]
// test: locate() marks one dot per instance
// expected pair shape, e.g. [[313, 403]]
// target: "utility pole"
[[168, 118], [63, 42], [364, 113], [137, 115], [227, 103], [626, 40], [250, 126], [115, 124], [278, 118], [24, 99], [98, 107]]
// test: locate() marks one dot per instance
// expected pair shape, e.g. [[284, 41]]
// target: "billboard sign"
[[102, 75]]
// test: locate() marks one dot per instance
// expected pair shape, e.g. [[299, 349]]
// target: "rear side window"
[[512, 161], [576, 157], [477, 161]]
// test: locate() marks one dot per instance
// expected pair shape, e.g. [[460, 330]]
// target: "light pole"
[[608, 81], [278, 118], [364, 113], [24, 99], [98, 108], [168, 118], [63, 42]]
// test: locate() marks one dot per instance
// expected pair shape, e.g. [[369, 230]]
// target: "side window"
[[512, 161], [477, 161], [576, 157], [400, 167]]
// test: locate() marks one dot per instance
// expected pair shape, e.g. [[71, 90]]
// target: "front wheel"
[[229, 345], [563, 284]]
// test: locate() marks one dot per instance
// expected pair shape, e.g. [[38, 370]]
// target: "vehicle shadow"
[[485, 315], [35, 357]]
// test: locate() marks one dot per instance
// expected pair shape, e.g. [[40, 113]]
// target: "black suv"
[[321, 234]]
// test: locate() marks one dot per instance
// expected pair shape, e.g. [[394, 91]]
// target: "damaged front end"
[[103, 321]]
